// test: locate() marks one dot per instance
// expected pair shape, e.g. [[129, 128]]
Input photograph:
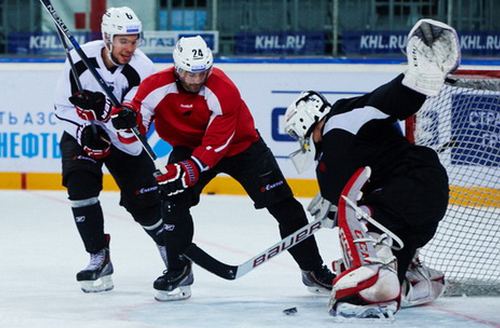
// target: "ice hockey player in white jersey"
[[403, 199], [89, 141]]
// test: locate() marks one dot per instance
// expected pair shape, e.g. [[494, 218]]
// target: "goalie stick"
[[232, 272], [64, 30]]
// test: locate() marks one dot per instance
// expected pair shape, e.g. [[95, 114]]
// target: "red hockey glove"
[[94, 140], [91, 106], [125, 118], [179, 176]]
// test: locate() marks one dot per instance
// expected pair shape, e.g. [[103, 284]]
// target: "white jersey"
[[122, 81]]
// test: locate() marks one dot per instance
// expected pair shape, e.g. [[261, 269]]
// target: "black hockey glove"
[[94, 140], [125, 117], [91, 106]]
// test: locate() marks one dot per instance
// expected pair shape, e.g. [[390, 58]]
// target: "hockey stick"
[[64, 29], [74, 72], [231, 272], [70, 60]]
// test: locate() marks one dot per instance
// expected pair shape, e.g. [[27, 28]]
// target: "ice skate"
[[422, 284], [318, 281], [174, 285], [433, 52], [96, 277]]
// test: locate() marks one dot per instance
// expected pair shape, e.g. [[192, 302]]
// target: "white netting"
[[463, 125]]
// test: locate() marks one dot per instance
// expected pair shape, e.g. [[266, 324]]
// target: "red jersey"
[[215, 122]]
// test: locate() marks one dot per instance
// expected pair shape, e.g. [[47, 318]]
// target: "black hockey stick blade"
[[206, 261]]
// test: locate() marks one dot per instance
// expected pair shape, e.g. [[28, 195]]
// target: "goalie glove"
[[179, 176], [94, 140], [91, 106], [433, 52]]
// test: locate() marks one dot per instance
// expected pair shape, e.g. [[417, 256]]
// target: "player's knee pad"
[[83, 185], [176, 208], [155, 231]]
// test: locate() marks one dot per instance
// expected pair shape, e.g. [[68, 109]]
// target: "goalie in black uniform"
[[408, 189]]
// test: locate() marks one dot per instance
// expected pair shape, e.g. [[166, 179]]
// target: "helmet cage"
[[304, 113], [300, 119]]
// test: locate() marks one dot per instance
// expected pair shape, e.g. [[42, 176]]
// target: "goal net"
[[463, 125]]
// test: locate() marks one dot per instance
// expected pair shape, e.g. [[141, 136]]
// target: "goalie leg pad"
[[433, 51], [369, 288]]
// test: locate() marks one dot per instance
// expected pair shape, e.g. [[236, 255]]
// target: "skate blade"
[[102, 284], [318, 290], [349, 313], [180, 293]]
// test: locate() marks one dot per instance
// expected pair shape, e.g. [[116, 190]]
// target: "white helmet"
[[303, 114], [300, 119], [192, 54], [119, 21]]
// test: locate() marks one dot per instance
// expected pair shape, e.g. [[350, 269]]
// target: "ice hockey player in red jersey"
[[89, 141], [199, 111], [407, 192]]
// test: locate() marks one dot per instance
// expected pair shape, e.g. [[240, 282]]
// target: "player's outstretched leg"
[[433, 52], [174, 284], [422, 284], [369, 287], [96, 277]]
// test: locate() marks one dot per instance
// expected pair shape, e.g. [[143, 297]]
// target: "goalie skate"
[[96, 277], [433, 52], [422, 284], [174, 285], [369, 287]]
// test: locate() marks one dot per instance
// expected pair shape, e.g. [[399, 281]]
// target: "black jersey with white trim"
[[123, 81], [364, 131]]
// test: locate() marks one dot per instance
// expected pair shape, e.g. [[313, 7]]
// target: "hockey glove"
[[91, 106], [125, 118], [94, 140], [179, 176]]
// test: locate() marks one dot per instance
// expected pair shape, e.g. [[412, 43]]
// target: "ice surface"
[[41, 251]]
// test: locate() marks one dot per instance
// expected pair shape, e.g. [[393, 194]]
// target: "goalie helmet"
[[300, 119], [303, 114], [119, 21], [192, 54]]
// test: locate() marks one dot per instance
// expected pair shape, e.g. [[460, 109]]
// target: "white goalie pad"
[[369, 287], [433, 51]]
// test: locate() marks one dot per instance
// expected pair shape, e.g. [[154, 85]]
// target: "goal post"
[[462, 124]]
